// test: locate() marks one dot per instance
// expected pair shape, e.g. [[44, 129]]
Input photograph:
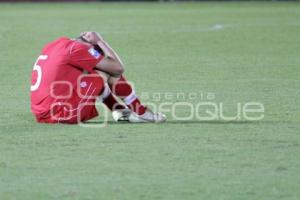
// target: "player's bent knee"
[[103, 75]]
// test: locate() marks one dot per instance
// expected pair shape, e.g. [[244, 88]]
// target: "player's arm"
[[111, 63]]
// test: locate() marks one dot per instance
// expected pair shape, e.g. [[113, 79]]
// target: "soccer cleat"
[[121, 114], [148, 116]]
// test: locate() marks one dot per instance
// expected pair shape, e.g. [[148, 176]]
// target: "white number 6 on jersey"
[[39, 73]]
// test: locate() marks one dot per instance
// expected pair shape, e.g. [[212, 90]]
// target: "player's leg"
[[123, 89], [107, 97], [84, 98], [98, 89], [120, 112], [80, 106]]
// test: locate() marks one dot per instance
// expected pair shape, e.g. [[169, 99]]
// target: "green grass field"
[[240, 52]]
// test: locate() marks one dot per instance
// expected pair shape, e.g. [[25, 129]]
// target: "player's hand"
[[92, 37]]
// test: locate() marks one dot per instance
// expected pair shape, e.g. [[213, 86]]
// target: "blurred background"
[[237, 51]]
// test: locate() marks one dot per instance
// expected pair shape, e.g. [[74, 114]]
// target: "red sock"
[[109, 99], [112, 103], [125, 91]]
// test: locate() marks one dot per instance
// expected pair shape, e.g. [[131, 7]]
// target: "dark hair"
[[82, 38], [96, 47]]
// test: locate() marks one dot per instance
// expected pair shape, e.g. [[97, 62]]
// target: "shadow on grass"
[[179, 122]]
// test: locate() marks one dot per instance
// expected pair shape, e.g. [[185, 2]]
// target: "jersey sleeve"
[[84, 57]]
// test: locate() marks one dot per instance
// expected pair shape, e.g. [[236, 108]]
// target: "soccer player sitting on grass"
[[70, 74]]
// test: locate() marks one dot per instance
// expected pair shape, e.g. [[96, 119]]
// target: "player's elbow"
[[121, 69], [118, 69]]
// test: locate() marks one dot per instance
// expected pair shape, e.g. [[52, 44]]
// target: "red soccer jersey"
[[57, 69]]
